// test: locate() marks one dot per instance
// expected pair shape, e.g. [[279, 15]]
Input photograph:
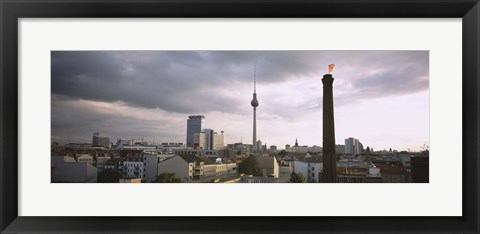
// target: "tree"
[[297, 178], [282, 153], [167, 177], [108, 176], [247, 165]]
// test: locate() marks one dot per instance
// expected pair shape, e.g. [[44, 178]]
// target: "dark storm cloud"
[[272, 66], [401, 73], [74, 120], [364, 75], [202, 81], [394, 82], [173, 81]]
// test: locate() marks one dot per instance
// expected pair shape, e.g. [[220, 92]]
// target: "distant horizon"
[[279, 147], [150, 94]]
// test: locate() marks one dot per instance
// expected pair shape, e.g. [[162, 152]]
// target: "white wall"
[[275, 167], [302, 167], [178, 166], [151, 167], [218, 142], [73, 172]]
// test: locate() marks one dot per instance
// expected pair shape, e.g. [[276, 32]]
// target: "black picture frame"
[[11, 11]]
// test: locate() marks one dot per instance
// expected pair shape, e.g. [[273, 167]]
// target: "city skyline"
[[380, 97]]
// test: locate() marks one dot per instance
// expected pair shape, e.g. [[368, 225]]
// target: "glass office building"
[[194, 125]]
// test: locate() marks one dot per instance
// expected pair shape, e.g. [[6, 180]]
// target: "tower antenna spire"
[[254, 78]]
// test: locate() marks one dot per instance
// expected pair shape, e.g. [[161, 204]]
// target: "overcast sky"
[[380, 97]]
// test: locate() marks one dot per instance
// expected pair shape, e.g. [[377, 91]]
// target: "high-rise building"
[[258, 146], [214, 140], [273, 148], [329, 158], [218, 141], [100, 140], [254, 104], [200, 141], [352, 146], [194, 125], [210, 136], [208, 139]]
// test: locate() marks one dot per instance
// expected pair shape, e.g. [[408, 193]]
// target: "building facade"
[[151, 162], [194, 125], [185, 167], [208, 139], [200, 140], [258, 146], [133, 167], [66, 169], [273, 148], [266, 166], [100, 140], [340, 149], [352, 146], [258, 179], [85, 158], [311, 169]]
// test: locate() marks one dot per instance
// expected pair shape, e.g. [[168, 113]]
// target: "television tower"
[[254, 104]]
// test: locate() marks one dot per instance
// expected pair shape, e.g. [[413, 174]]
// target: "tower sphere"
[[254, 102]]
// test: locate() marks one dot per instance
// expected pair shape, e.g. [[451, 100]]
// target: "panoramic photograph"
[[284, 116]]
